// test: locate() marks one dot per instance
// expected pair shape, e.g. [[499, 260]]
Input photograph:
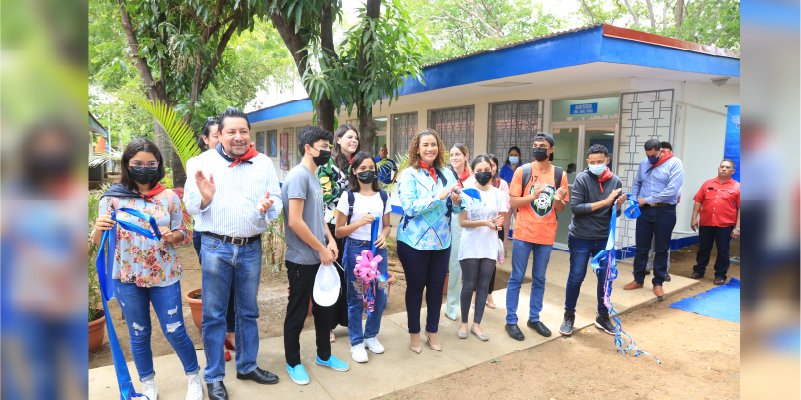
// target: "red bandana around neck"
[[152, 192], [464, 175], [431, 170], [607, 175], [244, 158], [666, 155], [252, 152]]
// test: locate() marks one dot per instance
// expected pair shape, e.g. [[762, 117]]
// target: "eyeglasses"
[[149, 165]]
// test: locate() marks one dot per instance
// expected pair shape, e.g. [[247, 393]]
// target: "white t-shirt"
[[482, 242], [363, 205]]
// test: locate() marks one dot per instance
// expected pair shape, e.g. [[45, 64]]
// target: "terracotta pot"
[[97, 332], [196, 305]]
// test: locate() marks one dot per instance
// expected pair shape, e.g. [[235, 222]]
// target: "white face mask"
[[597, 169]]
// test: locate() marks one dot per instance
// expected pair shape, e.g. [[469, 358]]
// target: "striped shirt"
[[232, 211]]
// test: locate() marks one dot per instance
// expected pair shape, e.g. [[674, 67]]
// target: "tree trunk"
[[325, 114], [171, 159], [679, 11], [325, 108], [364, 111], [367, 129]]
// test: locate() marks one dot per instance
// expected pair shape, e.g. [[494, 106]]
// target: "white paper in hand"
[[326, 285]]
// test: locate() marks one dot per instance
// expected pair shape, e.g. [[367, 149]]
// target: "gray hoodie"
[[587, 224]]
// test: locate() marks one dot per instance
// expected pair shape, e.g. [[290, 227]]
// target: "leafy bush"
[[95, 311]]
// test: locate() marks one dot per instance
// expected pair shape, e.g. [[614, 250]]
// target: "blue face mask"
[[597, 169], [653, 159], [514, 160]]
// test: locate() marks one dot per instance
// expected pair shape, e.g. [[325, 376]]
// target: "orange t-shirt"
[[536, 222]]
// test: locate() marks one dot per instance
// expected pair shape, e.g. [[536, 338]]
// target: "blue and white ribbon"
[[606, 260], [105, 264]]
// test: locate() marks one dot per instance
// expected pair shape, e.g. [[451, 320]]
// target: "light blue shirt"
[[425, 224], [661, 184]]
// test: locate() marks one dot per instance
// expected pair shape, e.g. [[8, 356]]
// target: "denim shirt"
[[425, 224]]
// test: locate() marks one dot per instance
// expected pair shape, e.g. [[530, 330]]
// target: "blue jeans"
[[224, 264], [581, 250], [230, 317], [654, 223], [356, 308], [520, 253], [135, 304]]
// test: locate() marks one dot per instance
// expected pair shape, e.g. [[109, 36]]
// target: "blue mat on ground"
[[722, 302]]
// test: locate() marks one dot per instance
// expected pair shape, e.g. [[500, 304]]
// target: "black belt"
[[660, 205], [239, 241]]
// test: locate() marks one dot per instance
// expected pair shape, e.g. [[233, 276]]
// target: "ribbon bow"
[[606, 262], [104, 263]]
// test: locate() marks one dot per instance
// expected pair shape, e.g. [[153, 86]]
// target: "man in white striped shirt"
[[232, 191]]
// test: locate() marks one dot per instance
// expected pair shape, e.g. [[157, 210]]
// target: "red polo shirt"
[[719, 201]]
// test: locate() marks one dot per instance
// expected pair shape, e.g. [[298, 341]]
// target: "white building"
[[598, 84]]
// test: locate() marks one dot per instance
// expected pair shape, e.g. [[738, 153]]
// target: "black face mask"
[[322, 158], [483, 177], [367, 177], [144, 175], [539, 153]]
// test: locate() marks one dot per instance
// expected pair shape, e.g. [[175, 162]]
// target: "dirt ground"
[[700, 359], [700, 355]]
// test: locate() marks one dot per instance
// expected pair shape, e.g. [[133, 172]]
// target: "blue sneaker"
[[333, 363], [298, 374]]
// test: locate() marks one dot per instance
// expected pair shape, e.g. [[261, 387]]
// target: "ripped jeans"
[[135, 304]]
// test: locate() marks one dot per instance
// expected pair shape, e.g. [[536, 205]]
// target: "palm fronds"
[[180, 133]]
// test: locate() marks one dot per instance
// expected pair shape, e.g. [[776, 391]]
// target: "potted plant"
[[193, 298], [97, 318]]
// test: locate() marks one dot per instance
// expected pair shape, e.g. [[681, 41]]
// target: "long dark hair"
[[358, 159], [210, 121], [497, 166], [480, 159], [519, 154], [339, 159], [136, 145]]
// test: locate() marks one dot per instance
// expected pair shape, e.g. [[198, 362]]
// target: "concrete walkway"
[[398, 367]]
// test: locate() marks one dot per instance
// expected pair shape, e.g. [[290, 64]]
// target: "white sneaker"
[[150, 389], [194, 389], [358, 353], [374, 345]]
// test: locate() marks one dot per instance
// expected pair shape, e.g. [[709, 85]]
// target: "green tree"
[[176, 47], [708, 22], [368, 66], [456, 27], [252, 58]]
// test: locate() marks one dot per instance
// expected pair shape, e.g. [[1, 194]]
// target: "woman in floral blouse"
[[147, 271]]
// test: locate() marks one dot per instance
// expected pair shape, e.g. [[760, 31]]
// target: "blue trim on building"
[[539, 55], [621, 51], [281, 110], [564, 50]]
